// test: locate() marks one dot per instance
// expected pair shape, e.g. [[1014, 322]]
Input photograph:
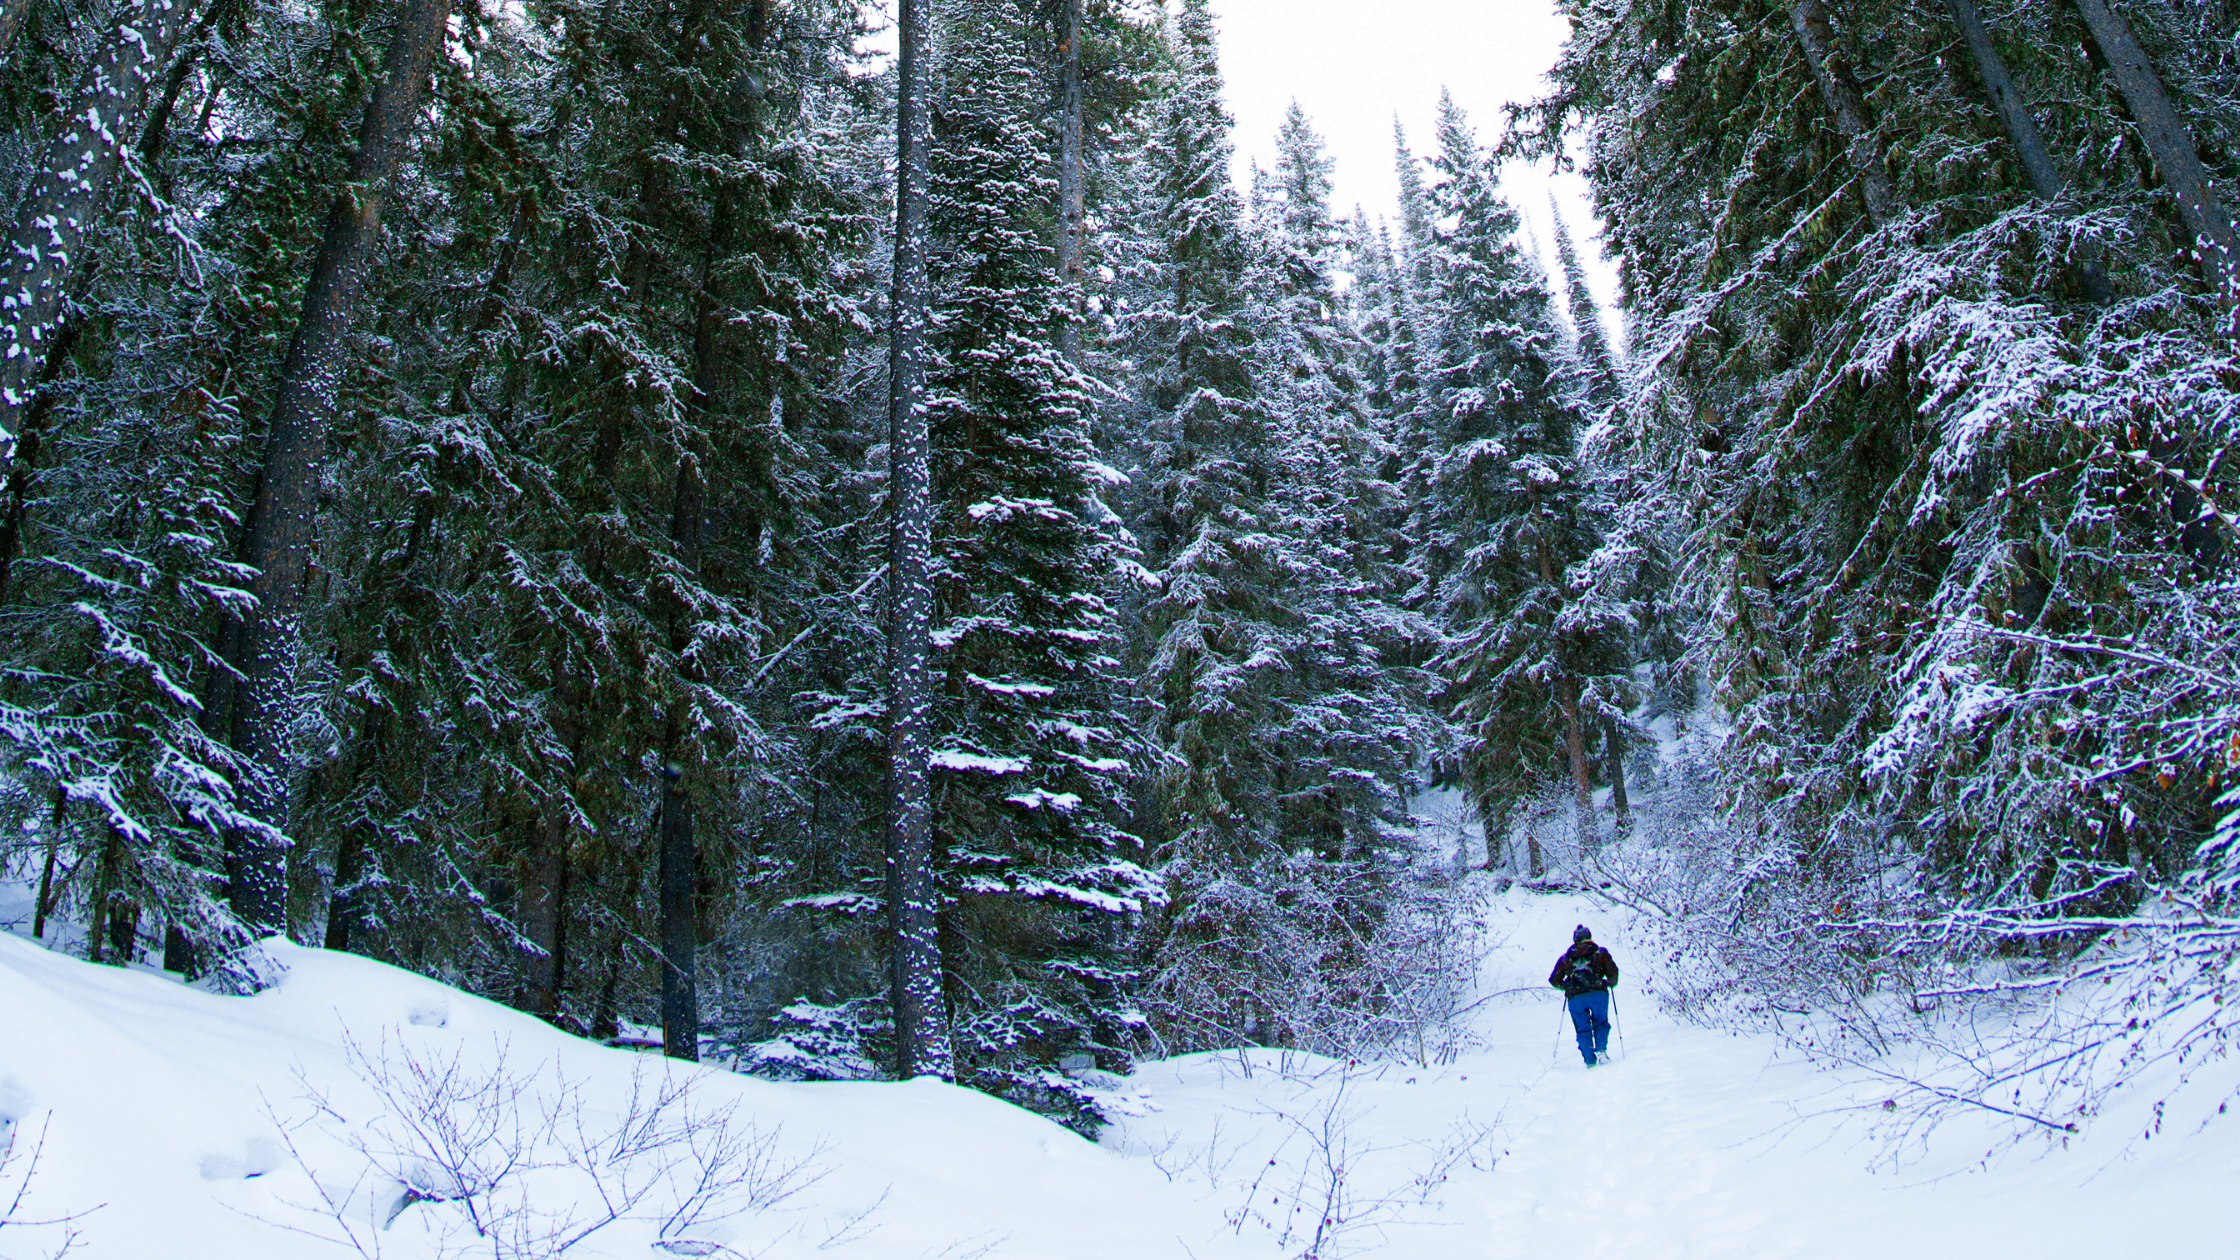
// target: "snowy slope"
[[159, 1105], [160, 1132]]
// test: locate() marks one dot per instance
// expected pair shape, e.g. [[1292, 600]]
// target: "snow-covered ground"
[[179, 1124], [1694, 1143]]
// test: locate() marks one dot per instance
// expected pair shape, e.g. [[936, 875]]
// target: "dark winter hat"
[[1580, 933]]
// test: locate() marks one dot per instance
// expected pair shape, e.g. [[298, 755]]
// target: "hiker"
[[1586, 973]]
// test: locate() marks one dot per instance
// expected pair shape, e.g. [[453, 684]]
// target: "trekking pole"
[[1617, 1025], [1563, 1012]]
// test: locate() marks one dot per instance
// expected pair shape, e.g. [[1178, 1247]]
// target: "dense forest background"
[[447, 512]]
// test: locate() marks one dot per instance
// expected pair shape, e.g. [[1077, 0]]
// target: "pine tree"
[[1873, 298], [1029, 767]]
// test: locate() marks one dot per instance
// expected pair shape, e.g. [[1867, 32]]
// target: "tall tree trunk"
[[64, 199], [1840, 90], [1614, 752], [680, 999], [114, 921], [1072, 178], [343, 909], [2013, 111], [2214, 244], [13, 14], [1495, 826], [921, 1035], [1575, 749], [2022, 130], [23, 470], [43, 904], [544, 918], [1567, 699], [158, 127], [280, 523], [346, 901]]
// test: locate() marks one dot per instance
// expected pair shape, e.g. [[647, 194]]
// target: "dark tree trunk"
[[12, 16], [23, 470], [1614, 752], [156, 133], [43, 905], [2214, 245], [2013, 111], [2022, 130], [281, 521], [680, 859], [605, 1023], [1840, 89], [345, 900], [1072, 179], [1575, 750], [1566, 689], [680, 1001], [179, 953], [65, 197], [921, 1036], [544, 919], [1496, 829], [115, 918], [342, 903]]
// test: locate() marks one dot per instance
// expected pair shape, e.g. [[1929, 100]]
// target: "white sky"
[[1354, 65]]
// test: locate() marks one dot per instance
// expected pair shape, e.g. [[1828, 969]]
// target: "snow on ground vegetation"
[[358, 1110]]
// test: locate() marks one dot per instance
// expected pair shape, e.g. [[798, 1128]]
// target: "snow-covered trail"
[[1693, 1144]]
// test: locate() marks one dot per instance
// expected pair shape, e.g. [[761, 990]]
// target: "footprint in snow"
[[431, 1013]]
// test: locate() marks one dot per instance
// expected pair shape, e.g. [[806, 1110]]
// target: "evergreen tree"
[[1497, 499], [1030, 769], [1865, 327]]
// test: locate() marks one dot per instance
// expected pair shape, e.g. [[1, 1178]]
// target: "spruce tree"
[[1030, 769]]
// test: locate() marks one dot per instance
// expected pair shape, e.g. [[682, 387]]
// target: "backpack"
[[1581, 973]]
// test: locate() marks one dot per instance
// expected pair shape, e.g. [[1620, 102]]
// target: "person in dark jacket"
[[1586, 973]]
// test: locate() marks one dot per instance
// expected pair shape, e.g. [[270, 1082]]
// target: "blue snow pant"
[[1590, 1016]]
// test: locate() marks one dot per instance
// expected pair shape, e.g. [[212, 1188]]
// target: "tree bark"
[[2215, 246], [114, 918], [281, 521], [1072, 178], [66, 196], [2013, 111], [13, 13], [2022, 131], [921, 1035], [544, 917], [1614, 752], [680, 1000], [1846, 104], [23, 470], [1582, 778], [1567, 699], [43, 904], [345, 901]]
